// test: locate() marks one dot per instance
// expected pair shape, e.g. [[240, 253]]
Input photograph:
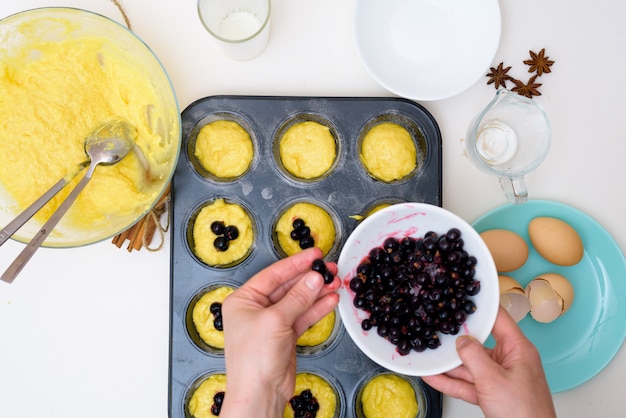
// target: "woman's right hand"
[[506, 381]]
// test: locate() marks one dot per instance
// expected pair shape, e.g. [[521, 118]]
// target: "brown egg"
[[509, 250], [513, 298], [556, 241], [550, 295]]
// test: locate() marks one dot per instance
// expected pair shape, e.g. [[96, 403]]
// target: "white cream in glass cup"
[[241, 27], [510, 138]]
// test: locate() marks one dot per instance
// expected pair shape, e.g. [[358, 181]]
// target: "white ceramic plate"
[[577, 346], [415, 219], [427, 49]]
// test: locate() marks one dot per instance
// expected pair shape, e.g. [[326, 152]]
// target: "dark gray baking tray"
[[264, 190]]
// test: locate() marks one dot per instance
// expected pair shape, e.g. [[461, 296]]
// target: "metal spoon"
[[107, 145]]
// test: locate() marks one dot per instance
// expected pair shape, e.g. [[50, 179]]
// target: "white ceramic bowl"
[[415, 219], [427, 49]]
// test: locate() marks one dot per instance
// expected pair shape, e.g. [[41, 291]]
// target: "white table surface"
[[85, 332]]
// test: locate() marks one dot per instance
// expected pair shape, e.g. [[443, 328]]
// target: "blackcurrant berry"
[[363, 270], [221, 243], [306, 242], [231, 232], [217, 227], [298, 223], [390, 245], [218, 323], [453, 234], [444, 245], [319, 266], [430, 243], [304, 231], [407, 244], [357, 285], [216, 308], [404, 347]]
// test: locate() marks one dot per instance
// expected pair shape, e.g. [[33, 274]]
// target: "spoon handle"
[[20, 261], [28, 213]]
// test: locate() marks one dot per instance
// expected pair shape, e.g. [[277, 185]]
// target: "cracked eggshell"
[[508, 249], [513, 297], [550, 296]]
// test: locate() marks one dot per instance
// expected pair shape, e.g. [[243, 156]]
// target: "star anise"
[[527, 90], [539, 63], [498, 76]]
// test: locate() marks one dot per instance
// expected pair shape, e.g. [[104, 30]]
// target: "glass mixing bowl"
[[65, 70]]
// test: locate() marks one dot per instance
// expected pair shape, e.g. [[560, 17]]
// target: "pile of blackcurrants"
[[216, 310], [302, 233], [415, 288], [225, 234], [304, 405]]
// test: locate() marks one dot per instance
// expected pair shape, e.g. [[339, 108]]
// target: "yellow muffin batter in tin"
[[308, 149], [388, 152], [224, 149], [388, 395], [318, 219], [318, 336], [203, 318], [325, 394], [201, 400], [203, 238]]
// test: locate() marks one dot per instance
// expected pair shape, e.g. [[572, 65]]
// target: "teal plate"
[[578, 345]]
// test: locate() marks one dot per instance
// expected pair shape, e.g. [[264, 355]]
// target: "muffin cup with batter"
[[326, 229], [200, 237], [321, 336], [307, 148], [325, 390], [199, 320], [222, 147], [385, 394], [391, 148], [199, 396]]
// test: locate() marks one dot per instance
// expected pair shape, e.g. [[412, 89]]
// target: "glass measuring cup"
[[241, 27], [509, 138]]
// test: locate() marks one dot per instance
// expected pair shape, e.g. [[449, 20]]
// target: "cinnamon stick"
[[144, 229]]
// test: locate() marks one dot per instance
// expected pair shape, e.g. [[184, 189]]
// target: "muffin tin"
[[347, 191]]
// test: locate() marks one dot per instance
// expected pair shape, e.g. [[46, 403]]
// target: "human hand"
[[262, 321], [506, 381]]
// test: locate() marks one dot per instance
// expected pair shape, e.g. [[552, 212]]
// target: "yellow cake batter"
[[321, 224], [53, 95], [224, 148], [202, 398], [203, 318], [388, 152], [389, 395], [319, 332], [307, 149], [321, 390], [203, 237]]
